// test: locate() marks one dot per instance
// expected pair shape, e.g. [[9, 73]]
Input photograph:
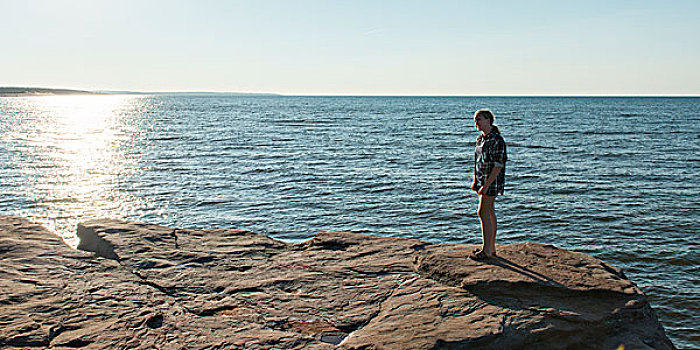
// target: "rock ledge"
[[143, 286]]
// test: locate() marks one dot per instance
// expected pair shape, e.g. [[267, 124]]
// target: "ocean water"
[[616, 178]]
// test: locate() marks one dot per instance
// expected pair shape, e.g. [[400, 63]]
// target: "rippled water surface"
[[616, 178]]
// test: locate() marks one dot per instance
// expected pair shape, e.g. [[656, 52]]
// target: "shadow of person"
[[517, 268]]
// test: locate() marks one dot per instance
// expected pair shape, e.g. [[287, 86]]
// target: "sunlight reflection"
[[81, 143]]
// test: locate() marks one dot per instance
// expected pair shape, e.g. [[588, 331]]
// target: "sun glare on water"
[[78, 150]]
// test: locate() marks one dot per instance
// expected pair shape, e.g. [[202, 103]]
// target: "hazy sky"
[[355, 47]]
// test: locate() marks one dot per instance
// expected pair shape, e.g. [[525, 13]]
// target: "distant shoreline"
[[24, 91], [33, 91]]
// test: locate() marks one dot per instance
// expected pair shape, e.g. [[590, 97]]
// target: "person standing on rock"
[[489, 179]]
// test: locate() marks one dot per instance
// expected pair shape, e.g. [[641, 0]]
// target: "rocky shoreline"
[[143, 286]]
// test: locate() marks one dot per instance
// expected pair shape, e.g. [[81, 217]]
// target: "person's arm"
[[473, 186], [492, 177]]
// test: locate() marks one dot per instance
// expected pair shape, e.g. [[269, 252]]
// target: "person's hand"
[[474, 186], [482, 190]]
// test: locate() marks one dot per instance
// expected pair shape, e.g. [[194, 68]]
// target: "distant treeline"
[[22, 91]]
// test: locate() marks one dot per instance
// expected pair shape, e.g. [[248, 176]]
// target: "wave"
[[170, 138], [302, 122], [519, 145]]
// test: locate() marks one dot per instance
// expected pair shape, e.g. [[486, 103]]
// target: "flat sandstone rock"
[[142, 286]]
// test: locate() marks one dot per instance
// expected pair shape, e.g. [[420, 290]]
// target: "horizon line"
[[342, 94]]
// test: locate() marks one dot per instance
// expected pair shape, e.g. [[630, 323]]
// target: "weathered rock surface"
[[142, 286]]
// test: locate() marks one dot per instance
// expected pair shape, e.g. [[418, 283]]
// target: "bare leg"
[[494, 224], [487, 216]]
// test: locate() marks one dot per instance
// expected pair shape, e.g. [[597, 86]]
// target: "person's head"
[[483, 119]]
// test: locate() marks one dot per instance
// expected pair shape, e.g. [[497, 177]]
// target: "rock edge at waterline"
[[142, 286]]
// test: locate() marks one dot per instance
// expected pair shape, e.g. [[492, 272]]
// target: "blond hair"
[[485, 112]]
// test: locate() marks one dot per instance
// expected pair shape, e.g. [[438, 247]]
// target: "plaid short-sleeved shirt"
[[490, 152]]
